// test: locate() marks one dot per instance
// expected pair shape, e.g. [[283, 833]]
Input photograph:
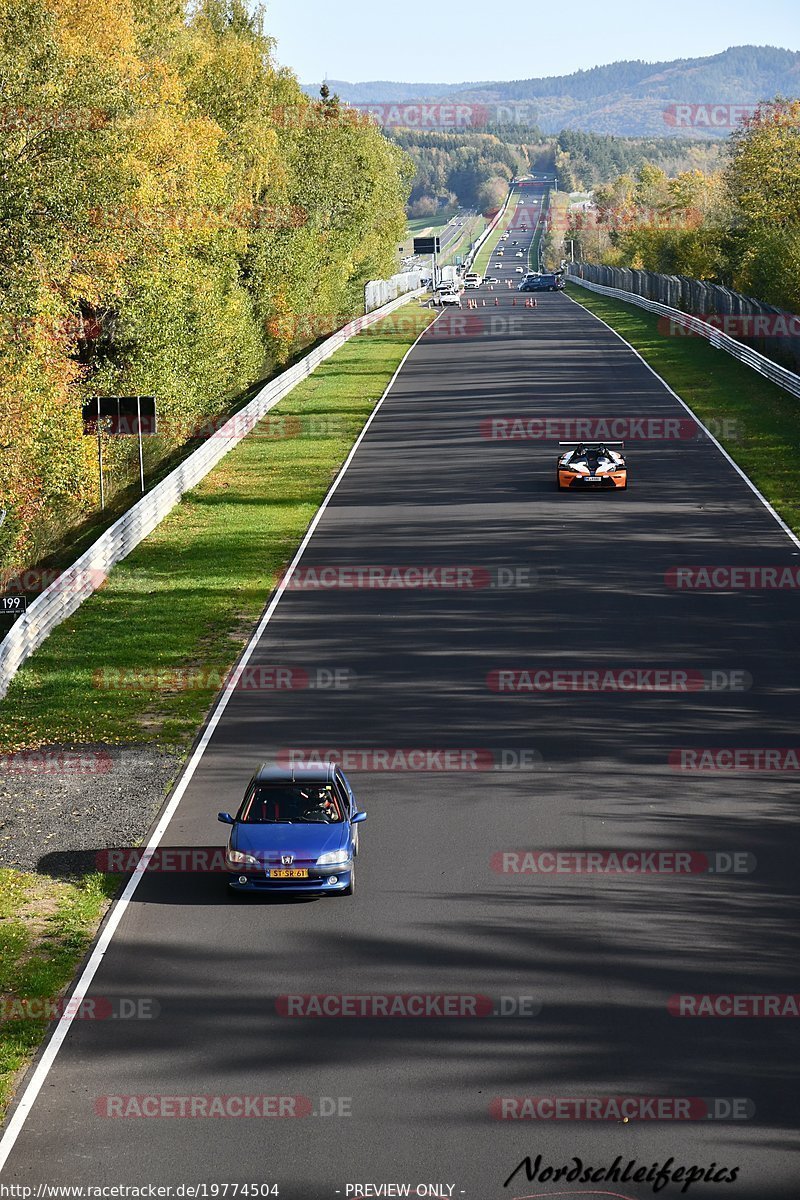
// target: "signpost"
[[428, 245], [122, 416]]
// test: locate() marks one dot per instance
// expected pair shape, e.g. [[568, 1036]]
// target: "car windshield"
[[591, 456], [292, 804]]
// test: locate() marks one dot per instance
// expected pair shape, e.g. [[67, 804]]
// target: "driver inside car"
[[321, 807]]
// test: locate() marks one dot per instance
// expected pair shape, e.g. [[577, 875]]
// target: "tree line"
[[471, 169], [176, 213], [738, 226], [474, 168]]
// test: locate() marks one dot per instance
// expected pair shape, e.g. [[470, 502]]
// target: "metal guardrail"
[[721, 341], [772, 331], [87, 573]]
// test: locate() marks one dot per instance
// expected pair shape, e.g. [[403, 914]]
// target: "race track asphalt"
[[551, 582]]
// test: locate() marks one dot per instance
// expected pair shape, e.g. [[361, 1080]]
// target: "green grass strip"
[[46, 927], [187, 598], [757, 422]]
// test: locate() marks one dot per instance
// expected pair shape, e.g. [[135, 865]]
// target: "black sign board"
[[120, 415], [13, 606], [426, 245]]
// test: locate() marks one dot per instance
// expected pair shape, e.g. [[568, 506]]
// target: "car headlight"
[[238, 858], [333, 858]]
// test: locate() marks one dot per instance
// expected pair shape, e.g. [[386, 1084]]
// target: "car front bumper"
[[592, 483], [318, 881]]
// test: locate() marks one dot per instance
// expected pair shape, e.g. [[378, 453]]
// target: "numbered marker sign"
[[13, 606]]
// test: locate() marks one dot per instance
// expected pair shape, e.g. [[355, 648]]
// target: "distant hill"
[[623, 98]]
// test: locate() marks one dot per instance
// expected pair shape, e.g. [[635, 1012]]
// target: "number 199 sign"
[[13, 606]]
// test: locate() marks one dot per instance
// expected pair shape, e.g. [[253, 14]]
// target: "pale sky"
[[357, 40]]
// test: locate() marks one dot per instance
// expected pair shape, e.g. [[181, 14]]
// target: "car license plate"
[[287, 873]]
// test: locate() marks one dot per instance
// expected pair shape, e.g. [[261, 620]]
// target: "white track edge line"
[[34, 1086], [789, 532]]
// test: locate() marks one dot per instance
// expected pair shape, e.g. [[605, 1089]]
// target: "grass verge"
[[143, 658], [187, 597], [470, 231], [757, 422], [46, 927], [425, 227]]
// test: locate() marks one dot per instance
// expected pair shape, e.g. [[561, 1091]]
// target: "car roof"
[[272, 773]]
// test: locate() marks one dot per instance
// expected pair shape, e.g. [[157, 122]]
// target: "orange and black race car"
[[591, 465]]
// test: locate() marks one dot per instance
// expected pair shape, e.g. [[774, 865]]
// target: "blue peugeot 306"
[[296, 831]]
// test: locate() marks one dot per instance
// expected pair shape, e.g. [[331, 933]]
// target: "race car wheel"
[[351, 887]]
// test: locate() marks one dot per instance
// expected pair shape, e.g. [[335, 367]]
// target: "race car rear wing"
[[592, 445]]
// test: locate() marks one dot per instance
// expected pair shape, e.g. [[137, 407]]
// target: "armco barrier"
[[76, 583], [704, 299], [721, 341]]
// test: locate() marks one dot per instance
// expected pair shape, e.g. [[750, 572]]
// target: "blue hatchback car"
[[296, 831]]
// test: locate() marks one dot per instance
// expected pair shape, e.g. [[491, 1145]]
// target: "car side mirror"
[[226, 818], [359, 816]]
